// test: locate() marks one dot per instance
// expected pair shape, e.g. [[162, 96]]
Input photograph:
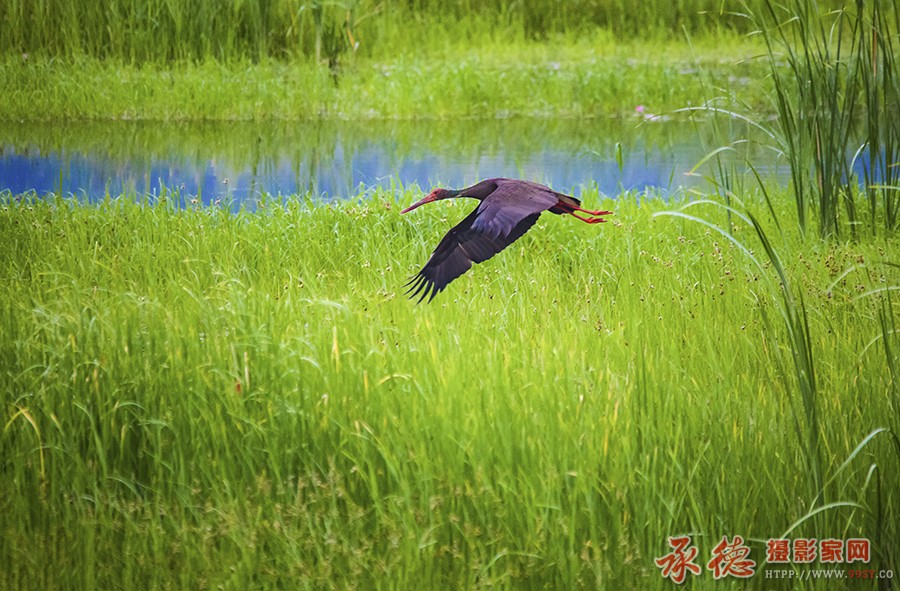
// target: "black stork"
[[508, 208]]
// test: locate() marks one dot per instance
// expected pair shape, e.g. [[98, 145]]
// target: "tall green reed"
[[879, 72], [834, 75], [814, 98], [873, 497]]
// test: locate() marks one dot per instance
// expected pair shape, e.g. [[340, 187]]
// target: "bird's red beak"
[[428, 199]]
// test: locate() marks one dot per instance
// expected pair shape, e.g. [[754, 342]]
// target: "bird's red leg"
[[589, 220], [570, 207], [591, 212]]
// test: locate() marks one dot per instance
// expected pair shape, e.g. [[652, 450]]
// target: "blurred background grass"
[[163, 31]]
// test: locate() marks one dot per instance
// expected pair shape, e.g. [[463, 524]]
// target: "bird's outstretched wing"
[[462, 246]]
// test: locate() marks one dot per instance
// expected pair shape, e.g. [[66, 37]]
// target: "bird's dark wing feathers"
[[510, 203], [462, 246]]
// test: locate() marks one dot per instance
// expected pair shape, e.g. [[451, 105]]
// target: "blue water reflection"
[[237, 163]]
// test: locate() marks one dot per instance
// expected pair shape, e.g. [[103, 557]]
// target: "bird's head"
[[435, 195]]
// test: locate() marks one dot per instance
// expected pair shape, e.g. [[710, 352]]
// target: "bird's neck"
[[480, 190]]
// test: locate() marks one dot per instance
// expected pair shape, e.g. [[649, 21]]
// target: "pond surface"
[[238, 162]]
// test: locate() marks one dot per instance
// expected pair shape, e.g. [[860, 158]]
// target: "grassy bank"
[[197, 399], [588, 76], [163, 31]]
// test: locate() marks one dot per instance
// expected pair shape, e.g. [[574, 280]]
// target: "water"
[[238, 162]]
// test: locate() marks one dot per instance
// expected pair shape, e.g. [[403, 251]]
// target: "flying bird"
[[508, 208]]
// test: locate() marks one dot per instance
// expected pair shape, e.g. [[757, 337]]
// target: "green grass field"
[[281, 59], [195, 399], [589, 76]]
